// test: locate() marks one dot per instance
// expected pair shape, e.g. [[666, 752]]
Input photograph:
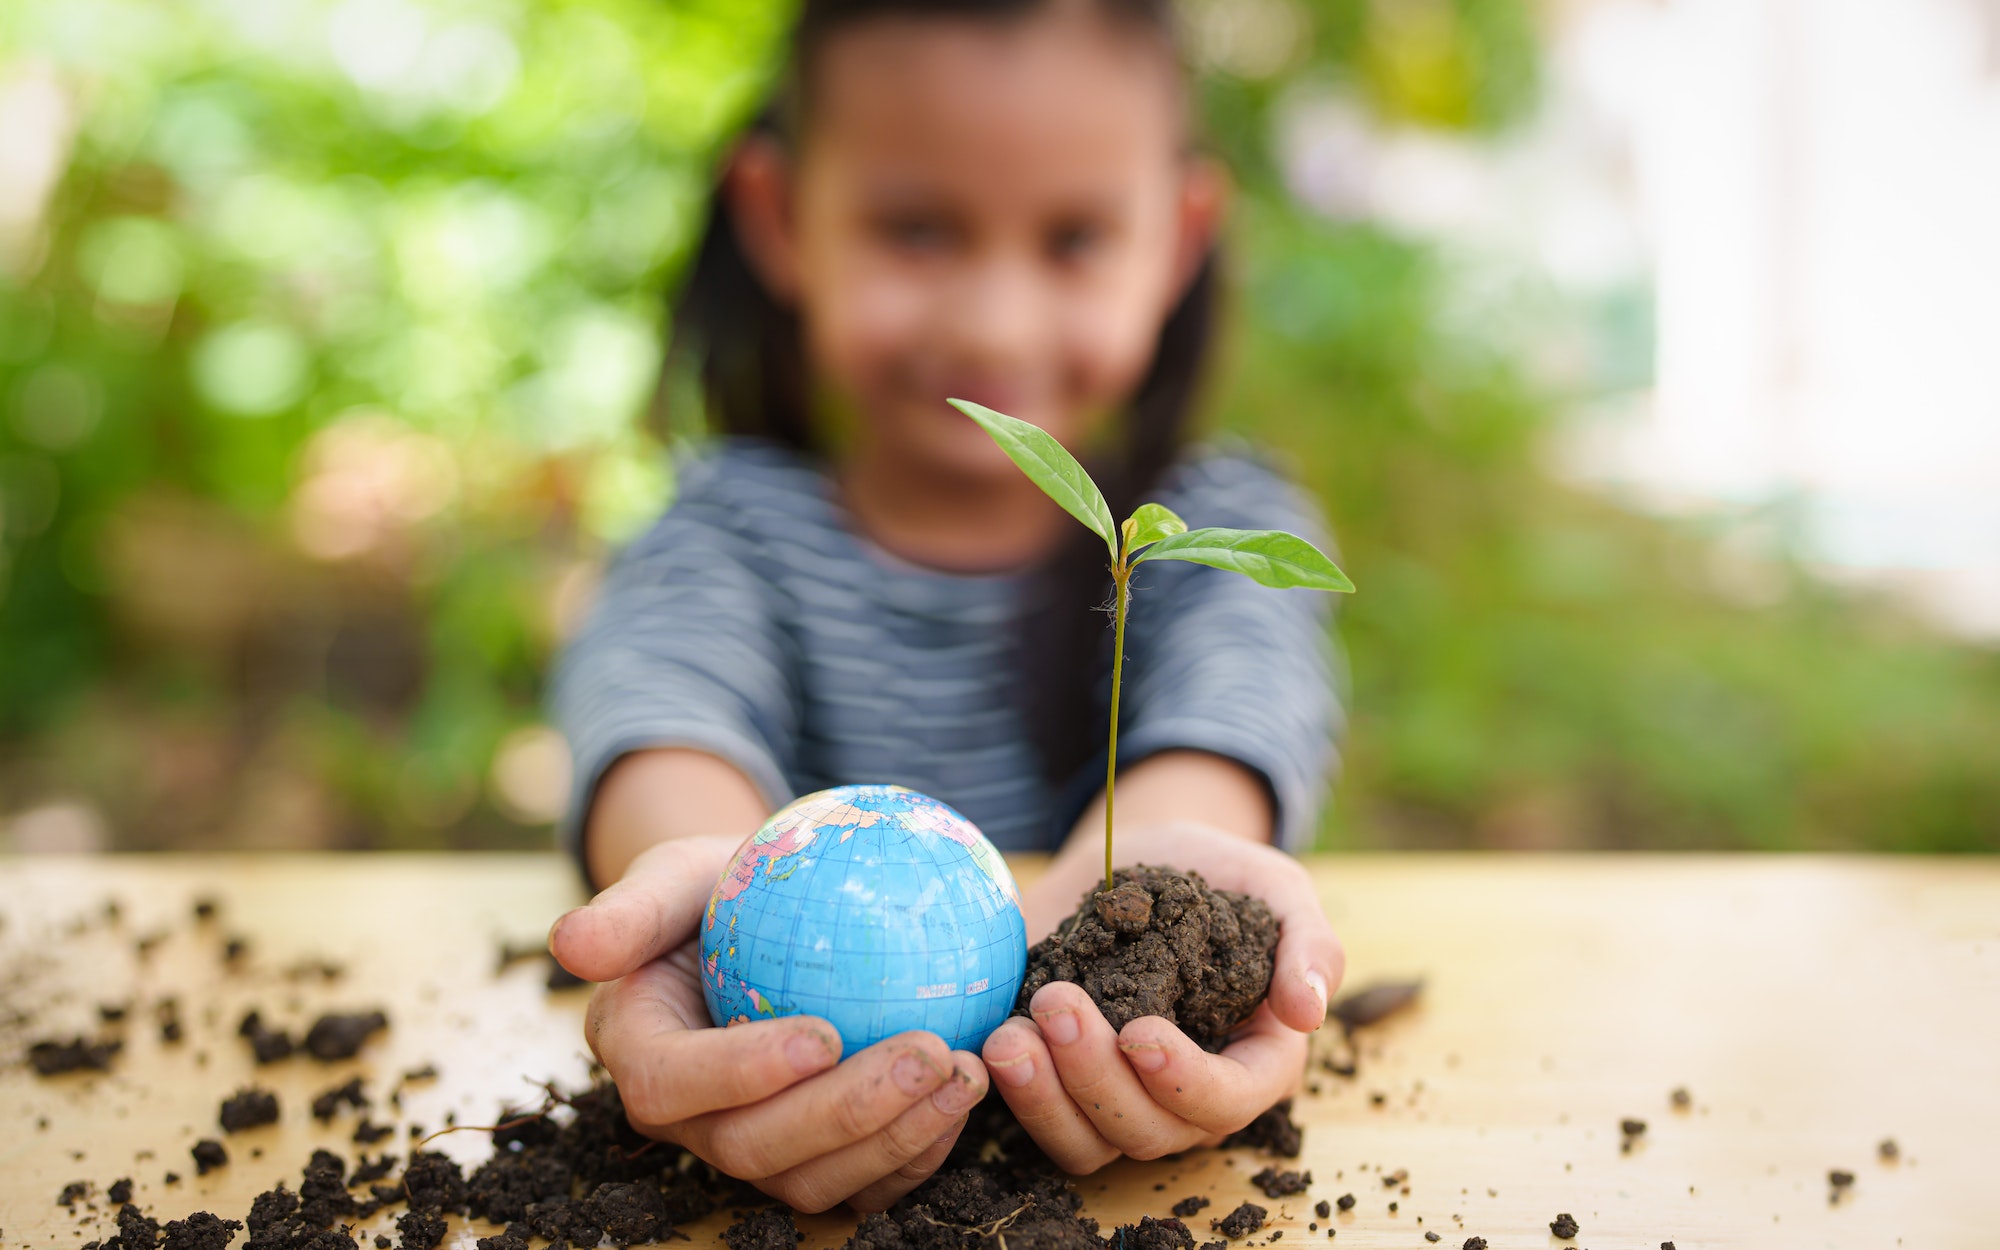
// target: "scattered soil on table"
[[1276, 1184], [340, 1035], [1888, 1151], [208, 1156], [248, 1108], [1345, 1202], [120, 1191], [1162, 943], [1192, 1205], [1241, 1222], [267, 1045], [51, 1057], [1323, 1209], [73, 1193], [327, 1102], [1563, 1225], [1630, 1131], [1272, 1132], [1474, 1243], [1680, 1098]]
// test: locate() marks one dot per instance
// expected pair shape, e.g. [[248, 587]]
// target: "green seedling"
[[1268, 557]]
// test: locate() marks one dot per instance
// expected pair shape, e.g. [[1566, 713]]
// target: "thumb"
[[654, 908]]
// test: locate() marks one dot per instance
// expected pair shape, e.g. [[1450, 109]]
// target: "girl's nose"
[[1001, 317]]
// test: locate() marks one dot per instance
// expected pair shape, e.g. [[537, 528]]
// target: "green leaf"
[[1271, 557], [1150, 524], [1049, 465]]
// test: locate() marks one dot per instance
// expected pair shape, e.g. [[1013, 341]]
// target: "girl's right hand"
[[767, 1102]]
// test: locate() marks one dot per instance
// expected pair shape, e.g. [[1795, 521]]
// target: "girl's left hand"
[[1088, 1093]]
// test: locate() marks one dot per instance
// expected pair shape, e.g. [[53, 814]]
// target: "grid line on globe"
[[875, 907]]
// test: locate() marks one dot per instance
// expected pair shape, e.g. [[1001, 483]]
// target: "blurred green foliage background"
[[325, 372]]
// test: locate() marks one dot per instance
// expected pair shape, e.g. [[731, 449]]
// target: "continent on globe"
[[874, 907]]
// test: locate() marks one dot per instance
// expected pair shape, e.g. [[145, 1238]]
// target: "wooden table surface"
[[1812, 1006]]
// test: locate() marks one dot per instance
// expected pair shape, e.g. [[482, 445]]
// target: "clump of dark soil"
[[208, 1156], [1374, 1004], [200, 1231], [248, 1108], [1563, 1225], [267, 1045], [1272, 1132], [1192, 1205], [51, 1057], [772, 1228], [1162, 943], [1241, 1222], [327, 1102], [1276, 1184], [1152, 1234], [339, 1036], [998, 1191]]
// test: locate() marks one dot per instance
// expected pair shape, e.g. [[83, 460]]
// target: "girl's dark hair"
[[746, 349]]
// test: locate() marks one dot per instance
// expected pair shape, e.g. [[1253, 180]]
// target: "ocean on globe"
[[874, 907]]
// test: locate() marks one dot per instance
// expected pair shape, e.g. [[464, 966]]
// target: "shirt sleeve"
[[684, 648], [1215, 662]]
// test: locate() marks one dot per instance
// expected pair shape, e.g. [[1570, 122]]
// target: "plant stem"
[[1121, 576]]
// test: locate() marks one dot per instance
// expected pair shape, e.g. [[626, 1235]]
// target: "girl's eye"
[[915, 233], [1075, 242]]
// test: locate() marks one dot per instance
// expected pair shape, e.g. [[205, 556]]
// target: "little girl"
[[995, 200]]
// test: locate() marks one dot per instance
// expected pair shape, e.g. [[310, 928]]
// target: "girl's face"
[[995, 211]]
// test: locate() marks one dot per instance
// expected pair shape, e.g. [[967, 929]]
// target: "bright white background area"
[[1805, 197]]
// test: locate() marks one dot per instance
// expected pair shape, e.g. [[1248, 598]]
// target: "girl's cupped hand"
[[1089, 1093], [768, 1101]]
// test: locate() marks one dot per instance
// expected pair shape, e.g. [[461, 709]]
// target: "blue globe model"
[[874, 907]]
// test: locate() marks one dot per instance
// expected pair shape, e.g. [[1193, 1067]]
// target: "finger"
[[1218, 1093], [654, 908], [832, 1178], [1309, 961], [884, 1193], [1026, 1077], [670, 1068], [1099, 1080], [832, 1111]]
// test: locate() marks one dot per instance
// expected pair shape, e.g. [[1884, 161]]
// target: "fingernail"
[[1145, 1056], [915, 1074], [1015, 1072], [808, 1052], [956, 1096], [557, 926], [1317, 981], [1060, 1027]]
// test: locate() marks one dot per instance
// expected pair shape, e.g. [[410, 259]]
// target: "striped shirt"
[[756, 623]]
